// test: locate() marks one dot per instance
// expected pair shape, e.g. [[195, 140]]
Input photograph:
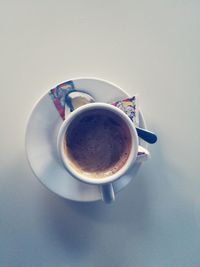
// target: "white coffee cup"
[[105, 183]]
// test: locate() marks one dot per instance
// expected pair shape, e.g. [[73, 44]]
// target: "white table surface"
[[146, 47]]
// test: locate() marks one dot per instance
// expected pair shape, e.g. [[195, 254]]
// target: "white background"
[[146, 47]]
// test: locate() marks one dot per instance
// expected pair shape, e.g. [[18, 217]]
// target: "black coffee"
[[98, 143]]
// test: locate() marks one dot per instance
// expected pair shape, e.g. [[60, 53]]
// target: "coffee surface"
[[98, 143]]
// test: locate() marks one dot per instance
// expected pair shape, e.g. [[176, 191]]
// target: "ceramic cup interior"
[[97, 143]]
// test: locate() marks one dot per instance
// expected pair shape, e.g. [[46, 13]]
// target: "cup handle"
[[107, 193]]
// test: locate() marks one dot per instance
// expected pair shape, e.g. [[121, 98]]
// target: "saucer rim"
[[28, 122]]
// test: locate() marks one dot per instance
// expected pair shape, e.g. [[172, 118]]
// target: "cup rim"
[[132, 156]]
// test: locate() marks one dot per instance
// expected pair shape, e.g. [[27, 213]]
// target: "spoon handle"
[[147, 136]]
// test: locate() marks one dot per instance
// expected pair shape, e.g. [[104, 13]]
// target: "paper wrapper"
[[130, 107], [58, 95]]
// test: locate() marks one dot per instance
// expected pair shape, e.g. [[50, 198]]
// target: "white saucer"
[[41, 140]]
